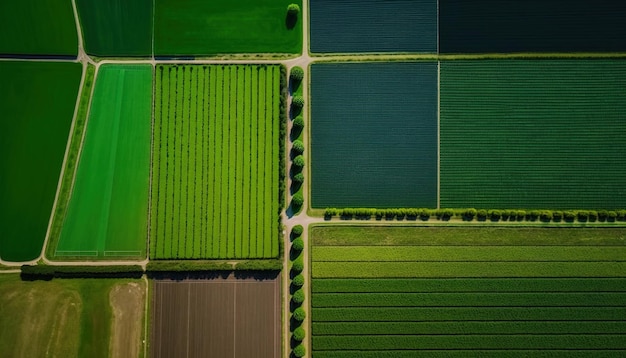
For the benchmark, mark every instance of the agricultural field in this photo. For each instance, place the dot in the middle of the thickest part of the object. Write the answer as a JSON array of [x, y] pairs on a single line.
[[533, 134], [218, 317], [215, 162], [340, 26], [225, 27], [116, 27], [373, 135], [71, 317], [38, 27], [33, 140], [107, 214], [486, 292], [568, 26]]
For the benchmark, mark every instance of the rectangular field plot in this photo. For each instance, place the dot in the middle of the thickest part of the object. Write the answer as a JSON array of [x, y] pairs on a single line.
[[437, 297], [38, 27], [374, 135], [37, 105], [116, 27], [215, 162], [199, 27], [107, 216], [216, 318], [496, 26], [340, 26], [533, 134]]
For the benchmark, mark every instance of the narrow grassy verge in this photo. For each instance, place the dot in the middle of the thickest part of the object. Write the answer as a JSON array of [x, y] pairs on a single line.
[[72, 161]]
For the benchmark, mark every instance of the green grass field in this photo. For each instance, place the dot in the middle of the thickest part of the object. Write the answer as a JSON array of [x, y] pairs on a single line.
[[37, 104], [215, 162], [58, 318], [198, 27], [108, 209], [116, 27], [38, 27], [373, 135], [533, 134], [506, 297]]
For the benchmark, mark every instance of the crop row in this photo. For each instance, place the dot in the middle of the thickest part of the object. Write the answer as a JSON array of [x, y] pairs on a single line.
[[433, 285], [466, 269], [465, 353], [461, 327], [468, 253], [215, 162], [613, 341], [483, 299], [486, 314]]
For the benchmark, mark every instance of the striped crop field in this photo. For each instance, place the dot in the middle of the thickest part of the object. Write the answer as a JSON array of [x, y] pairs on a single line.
[[340, 26], [215, 162], [533, 134], [442, 297], [374, 135]]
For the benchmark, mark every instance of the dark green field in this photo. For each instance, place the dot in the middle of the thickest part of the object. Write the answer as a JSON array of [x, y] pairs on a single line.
[[413, 292], [533, 134], [116, 27], [38, 27], [496, 26], [374, 135], [199, 27], [37, 105], [373, 26]]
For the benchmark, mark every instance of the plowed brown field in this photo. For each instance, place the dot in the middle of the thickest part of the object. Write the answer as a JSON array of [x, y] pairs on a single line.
[[216, 318]]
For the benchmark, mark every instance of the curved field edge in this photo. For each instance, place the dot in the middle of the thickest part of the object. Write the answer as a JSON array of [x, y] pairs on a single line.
[[38, 104], [71, 161], [108, 209], [64, 317]]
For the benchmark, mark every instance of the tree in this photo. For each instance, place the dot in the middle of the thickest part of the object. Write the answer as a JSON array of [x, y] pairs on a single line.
[[298, 178], [297, 244], [299, 351], [298, 162], [292, 16], [299, 314], [298, 280], [298, 123], [297, 200], [298, 265], [298, 297], [297, 230], [297, 74], [298, 146], [297, 102], [293, 9], [298, 334]]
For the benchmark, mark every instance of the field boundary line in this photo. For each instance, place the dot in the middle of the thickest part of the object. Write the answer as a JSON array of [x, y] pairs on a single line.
[[122, 253], [150, 176], [438, 133], [234, 321], [89, 253]]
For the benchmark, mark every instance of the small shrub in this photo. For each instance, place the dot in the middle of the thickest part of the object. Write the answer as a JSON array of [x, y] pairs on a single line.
[[298, 146], [469, 214], [299, 351], [569, 215], [557, 215], [583, 215], [621, 215], [298, 334], [593, 215], [495, 215], [297, 244], [603, 215], [546, 216], [533, 215], [298, 265], [481, 214], [299, 314], [298, 230], [612, 215], [520, 214], [298, 280], [298, 296]]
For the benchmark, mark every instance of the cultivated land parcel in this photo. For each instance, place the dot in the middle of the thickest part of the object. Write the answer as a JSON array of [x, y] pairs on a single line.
[[108, 209], [411, 292], [37, 103], [215, 162]]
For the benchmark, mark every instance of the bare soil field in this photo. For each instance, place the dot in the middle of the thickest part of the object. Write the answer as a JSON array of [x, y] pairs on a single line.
[[128, 304], [221, 317]]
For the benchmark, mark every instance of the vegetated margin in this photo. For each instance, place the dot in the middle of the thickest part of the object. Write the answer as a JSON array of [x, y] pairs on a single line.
[[72, 161], [471, 214]]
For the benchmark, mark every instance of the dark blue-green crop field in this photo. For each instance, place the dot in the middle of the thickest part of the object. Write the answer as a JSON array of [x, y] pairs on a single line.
[[373, 26], [374, 135]]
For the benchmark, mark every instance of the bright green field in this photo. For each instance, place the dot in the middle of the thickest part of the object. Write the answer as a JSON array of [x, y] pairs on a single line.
[[58, 318], [435, 297], [215, 162], [116, 27], [38, 27], [108, 209], [199, 27], [37, 105], [533, 134]]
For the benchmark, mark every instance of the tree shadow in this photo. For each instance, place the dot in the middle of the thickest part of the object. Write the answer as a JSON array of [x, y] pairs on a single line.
[[291, 20]]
